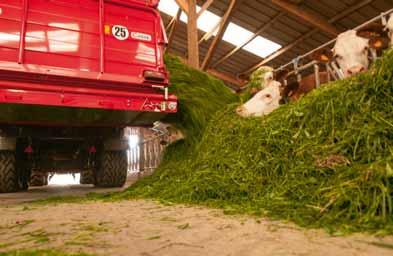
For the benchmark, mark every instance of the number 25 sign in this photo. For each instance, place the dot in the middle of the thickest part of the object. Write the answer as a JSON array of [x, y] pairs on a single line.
[[122, 33]]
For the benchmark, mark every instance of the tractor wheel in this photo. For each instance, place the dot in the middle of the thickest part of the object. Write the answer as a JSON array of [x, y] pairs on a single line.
[[38, 179], [112, 171], [8, 172], [87, 177]]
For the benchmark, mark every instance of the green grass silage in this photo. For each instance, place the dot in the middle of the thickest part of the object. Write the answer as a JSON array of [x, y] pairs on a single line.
[[269, 165], [200, 97]]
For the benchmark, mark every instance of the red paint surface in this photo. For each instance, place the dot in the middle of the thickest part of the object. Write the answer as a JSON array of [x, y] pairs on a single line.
[[65, 58]]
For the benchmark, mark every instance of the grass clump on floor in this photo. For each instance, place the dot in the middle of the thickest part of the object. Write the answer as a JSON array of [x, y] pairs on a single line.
[[325, 161]]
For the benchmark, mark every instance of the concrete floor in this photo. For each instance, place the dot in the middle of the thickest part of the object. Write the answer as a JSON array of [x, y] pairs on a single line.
[[39, 193]]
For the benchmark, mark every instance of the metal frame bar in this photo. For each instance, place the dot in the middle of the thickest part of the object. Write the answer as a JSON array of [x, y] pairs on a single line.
[[22, 40], [382, 15], [102, 37]]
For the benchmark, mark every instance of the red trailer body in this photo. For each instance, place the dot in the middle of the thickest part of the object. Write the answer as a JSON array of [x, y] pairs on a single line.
[[73, 74], [86, 54]]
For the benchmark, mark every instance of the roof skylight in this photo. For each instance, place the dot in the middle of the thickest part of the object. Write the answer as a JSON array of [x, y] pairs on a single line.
[[235, 34]]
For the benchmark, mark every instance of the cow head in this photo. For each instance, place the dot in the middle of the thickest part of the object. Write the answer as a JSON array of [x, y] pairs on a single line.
[[351, 50], [263, 103]]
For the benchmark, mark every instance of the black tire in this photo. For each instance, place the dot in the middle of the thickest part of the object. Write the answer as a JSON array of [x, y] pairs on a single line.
[[87, 177], [8, 172], [112, 171], [38, 179]]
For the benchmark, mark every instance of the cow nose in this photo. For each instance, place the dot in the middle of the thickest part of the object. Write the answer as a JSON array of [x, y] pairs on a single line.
[[356, 70]]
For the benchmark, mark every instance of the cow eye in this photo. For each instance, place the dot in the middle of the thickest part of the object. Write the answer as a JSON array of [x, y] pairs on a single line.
[[268, 96], [366, 48]]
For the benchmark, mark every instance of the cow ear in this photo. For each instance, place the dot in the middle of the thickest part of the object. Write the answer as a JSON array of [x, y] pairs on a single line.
[[281, 74], [324, 55], [374, 30], [379, 43]]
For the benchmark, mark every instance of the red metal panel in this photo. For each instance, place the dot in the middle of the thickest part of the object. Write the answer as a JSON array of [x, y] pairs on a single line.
[[66, 34], [73, 39], [22, 93], [150, 3]]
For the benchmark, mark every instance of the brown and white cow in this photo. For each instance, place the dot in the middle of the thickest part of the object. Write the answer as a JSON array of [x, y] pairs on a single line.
[[264, 102], [351, 51], [294, 90]]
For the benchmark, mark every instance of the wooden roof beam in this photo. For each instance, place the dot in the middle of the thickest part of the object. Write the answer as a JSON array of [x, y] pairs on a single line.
[[173, 20], [279, 52], [172, 28], [227, 78], [217, 74], [307, 16], [223, 26], [303, 37], [256, 34], [183, 4], [204, 7], [210, 33]]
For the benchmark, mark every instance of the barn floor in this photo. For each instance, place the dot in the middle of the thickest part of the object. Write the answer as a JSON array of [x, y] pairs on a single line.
[[147, 228]]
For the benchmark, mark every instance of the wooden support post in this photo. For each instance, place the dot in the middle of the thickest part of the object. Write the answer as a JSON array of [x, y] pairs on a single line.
[[192, 32]]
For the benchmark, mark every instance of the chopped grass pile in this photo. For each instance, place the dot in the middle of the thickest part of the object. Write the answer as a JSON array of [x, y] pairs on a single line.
[[200, 97], [325, 161]]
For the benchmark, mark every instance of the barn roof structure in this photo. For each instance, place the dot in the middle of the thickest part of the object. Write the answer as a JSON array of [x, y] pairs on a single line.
[[297, 25]]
